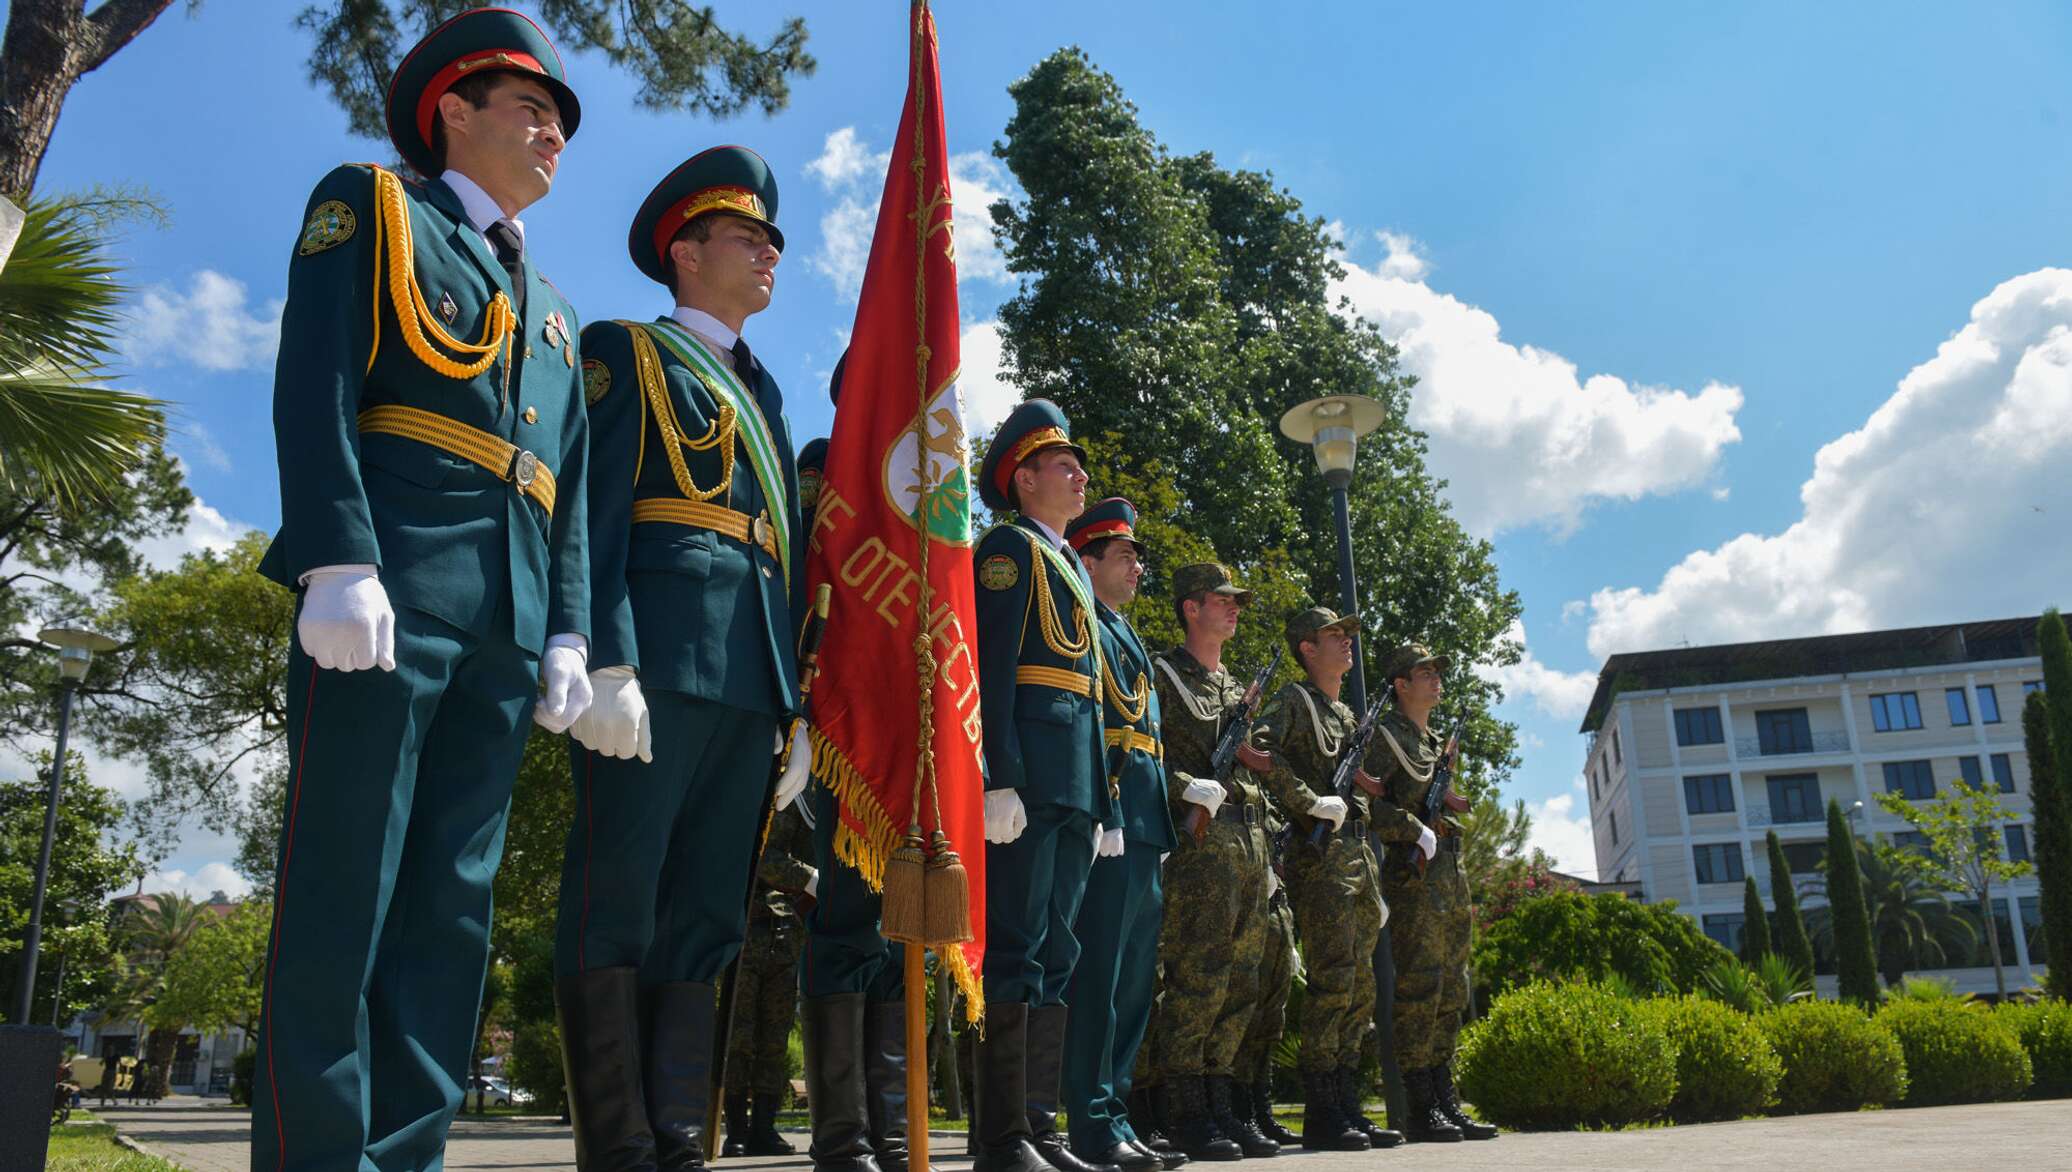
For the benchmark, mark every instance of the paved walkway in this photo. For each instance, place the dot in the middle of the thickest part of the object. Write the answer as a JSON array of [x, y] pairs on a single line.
[[2010, 1136]]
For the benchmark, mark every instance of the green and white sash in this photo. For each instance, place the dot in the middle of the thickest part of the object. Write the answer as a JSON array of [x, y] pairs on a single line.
[[754, 429]]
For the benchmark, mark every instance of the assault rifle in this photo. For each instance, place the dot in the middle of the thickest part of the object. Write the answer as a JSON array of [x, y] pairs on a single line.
[[1440, 796], [1234, 735], [1349, 760]]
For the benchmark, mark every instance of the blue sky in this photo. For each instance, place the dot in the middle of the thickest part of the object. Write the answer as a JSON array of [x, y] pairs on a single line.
[[1652, 263]]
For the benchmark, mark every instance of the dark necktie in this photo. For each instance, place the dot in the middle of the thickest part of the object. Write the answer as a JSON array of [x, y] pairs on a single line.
[[510, 252], [744, 362]]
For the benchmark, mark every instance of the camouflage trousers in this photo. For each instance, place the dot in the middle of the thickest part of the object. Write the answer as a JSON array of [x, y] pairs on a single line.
[[1428, 930], [1209, 949], [1276, 972], [765, 1004], [1336, 895]]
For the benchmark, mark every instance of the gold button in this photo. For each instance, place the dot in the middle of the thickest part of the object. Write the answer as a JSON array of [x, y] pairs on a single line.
[[767, 572], [532, 415], [528, 351]]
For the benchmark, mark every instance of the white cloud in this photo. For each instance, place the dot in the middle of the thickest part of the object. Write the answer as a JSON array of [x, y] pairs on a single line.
[[1949, 503], [201, 883], [844, 160], [202, 444], [854, 174], [1561, 694], [1522, 438], [987, 394], [210, 326], [1564, 834], [206, 528]]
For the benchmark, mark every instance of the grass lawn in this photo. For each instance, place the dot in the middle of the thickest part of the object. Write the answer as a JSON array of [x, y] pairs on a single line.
[[91, 1147]]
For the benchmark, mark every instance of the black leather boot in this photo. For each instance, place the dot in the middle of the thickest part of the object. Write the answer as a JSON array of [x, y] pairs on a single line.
[[1260, 1096], [1148, 1121], [835, 1089], [1190, 1125], [737, 1125], [1349, 1098], [1046, 1073], [1000, 1072], [884, 1077], [1235, 1124], [679, 1071], [763, 1139], [599, 1013], [1449, 1102], [1427, 1124], [1324, 1126]]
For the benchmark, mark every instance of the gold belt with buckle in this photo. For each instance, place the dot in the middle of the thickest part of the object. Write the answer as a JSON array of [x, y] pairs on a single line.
[[491, 452], [1059, 678], [726, 522], [1128, 739]]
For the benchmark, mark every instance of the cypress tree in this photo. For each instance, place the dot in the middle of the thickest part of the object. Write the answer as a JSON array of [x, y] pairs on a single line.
[[1855, 964], [1792, 942], [1755, 928], [2053, 848]]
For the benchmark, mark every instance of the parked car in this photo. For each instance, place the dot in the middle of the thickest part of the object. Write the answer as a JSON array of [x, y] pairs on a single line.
[[495, 1092]]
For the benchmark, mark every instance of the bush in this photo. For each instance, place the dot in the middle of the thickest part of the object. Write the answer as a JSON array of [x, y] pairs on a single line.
[[1957, 1052], [1567, 936], [2045, 1031], [535, 1066], [1725, 1067], [243, 1069], [1925, 989], [1556, 1056], [1835, 1057]]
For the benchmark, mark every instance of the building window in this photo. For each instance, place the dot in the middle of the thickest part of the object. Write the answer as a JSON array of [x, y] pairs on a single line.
[[1913, 780], [2029, 686], [1711, 793], [1615, 748], [2017, 844], [1911, 840], [2003, 772], [1794, 797], [1784, 730], [1699, 726], [1615, 827], [2032, 925], [1895, 711], [1726, 928], [1960, 708], [1974, 773], [1718, 862], [1988, 705], [1806, 857]]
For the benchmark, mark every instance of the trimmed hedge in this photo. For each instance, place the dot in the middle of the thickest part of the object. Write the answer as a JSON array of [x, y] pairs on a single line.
[[1559, 1056], [1835, 1058], [2045, 1032], [1957, 1052], [1725, 1066]]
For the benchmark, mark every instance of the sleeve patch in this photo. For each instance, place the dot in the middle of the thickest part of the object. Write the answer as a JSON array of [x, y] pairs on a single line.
[[330, 225], [998, 572], [597, 380]]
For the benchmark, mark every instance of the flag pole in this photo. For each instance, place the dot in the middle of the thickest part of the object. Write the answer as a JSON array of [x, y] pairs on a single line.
[[917, 1056]]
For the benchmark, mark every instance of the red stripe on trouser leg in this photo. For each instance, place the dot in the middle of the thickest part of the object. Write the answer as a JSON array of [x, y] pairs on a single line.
[[280, 902], [589, 835]]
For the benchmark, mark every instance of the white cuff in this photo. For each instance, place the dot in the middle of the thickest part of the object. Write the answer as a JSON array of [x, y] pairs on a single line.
[[367, 568], [581, 644]]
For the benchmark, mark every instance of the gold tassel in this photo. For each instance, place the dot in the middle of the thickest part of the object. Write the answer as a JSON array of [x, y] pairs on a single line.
[[904, 914], [949, 895]]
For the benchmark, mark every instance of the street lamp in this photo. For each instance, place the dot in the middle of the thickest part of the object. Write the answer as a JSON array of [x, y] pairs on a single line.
[[1332, 427], [76, 647]]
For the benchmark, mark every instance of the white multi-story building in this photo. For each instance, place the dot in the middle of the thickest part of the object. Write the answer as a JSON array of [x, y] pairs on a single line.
[[1696, 753]]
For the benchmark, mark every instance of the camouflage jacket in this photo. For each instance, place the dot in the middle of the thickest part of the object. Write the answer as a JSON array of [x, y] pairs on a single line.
[[1194, 721], [1402, 794], [783, 873], [1302, 767]]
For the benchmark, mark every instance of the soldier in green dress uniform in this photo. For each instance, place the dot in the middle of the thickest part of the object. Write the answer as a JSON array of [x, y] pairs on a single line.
[[697, 565], [766, 995], [1047, 790], [429, 418]]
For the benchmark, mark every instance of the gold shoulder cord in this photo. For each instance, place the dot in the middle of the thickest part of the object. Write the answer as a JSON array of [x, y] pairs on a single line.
[[393, 246], [1072, 647], [647, 361], [1127, 704]]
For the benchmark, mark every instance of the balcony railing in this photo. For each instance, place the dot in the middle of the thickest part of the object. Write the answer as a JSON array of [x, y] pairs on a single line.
[[1820, 742], [1760, 814]]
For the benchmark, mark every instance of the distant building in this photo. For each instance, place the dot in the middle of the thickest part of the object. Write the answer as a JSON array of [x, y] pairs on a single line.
[[1696, 753], [201, 1063]]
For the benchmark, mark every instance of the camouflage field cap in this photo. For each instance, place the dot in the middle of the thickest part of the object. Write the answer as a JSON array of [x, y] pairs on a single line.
[[1408, 658], [1304, 626], [1213, 577]]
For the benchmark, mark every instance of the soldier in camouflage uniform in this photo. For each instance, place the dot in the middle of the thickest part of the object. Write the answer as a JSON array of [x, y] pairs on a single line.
[[1277, 966], [1334, 885], [1430, 936], [766, 995], [1215, 887]]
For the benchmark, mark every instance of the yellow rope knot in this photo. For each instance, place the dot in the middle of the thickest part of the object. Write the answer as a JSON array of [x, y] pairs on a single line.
[[393, 245]]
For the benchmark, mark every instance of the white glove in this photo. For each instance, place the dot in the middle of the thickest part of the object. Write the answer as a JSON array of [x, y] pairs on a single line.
[[617, 724], [1331, 809], [1005, 816], [568, 692], [347, 623], [1111, 844], [1427, 842], [1273, 883], [1206, 794], [792, 782], [812, 883], [1163, 856]]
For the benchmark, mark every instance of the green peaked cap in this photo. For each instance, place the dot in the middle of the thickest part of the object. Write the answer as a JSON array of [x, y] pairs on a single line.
[[478, 39]]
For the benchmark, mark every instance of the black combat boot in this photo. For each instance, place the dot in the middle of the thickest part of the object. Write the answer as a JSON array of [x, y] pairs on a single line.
[[1046, 1075], [1147, 1119], [1260, 1094], [1324, 1126], [1449, 1102], [1236, 1124], [679, 1071], [1189, 1124], [1428, 1123], [1349, 1099], [1000, 1072], [763, 1139], [737, 1125], [834, 1084], [599, 1012], [884, 1075]]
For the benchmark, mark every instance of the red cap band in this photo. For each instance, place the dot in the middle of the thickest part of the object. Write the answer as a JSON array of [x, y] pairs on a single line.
[[428, 102], [1099, 529]]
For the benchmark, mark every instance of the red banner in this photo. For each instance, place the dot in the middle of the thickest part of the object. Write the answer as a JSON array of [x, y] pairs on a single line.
[[895, 709]]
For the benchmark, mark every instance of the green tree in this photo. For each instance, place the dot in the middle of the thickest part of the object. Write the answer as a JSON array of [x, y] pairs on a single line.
[[1964, 853], [216, 979], [1855, 965], [1569, 936], [1755, 923], [2047, 729], [153, 931], [1913, 924], [1493, 840], [87, 867], [1792, 943]]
